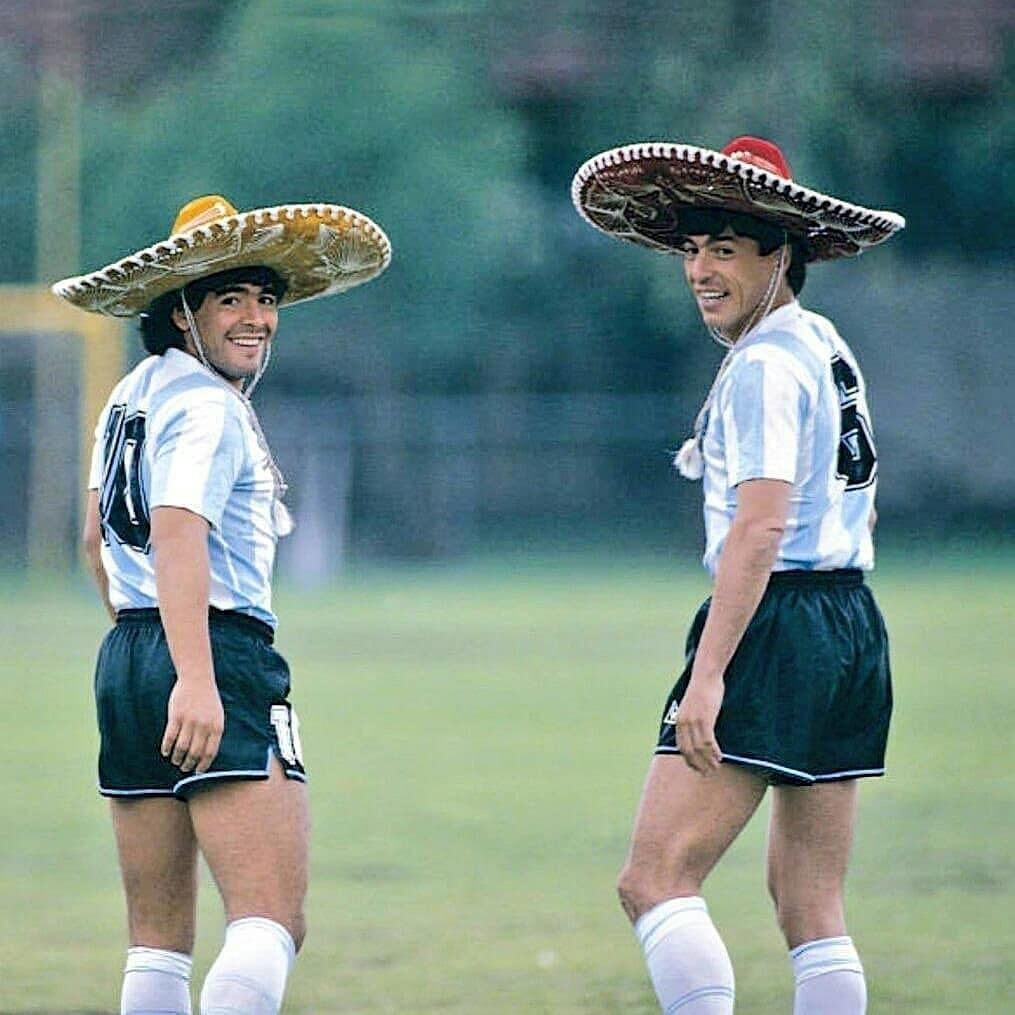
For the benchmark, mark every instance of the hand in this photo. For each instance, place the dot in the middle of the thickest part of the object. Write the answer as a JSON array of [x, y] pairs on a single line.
[[194, 726], [696, 717]]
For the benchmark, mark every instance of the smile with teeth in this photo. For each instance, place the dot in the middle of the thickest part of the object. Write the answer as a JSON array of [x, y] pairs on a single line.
[[246, 341], [711, 296]]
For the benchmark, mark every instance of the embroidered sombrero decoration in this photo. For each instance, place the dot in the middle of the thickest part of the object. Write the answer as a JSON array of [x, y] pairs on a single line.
[[637, 192], [319, 249]]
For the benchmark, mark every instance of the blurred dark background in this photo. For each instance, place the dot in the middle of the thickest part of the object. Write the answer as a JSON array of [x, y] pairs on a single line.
[[515, 381]]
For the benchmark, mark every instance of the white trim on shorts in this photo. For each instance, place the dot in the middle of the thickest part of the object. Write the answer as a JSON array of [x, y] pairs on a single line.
[[236, 773], [825, 777]]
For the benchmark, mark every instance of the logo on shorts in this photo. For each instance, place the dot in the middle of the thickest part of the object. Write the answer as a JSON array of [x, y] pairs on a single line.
[[671, 715]]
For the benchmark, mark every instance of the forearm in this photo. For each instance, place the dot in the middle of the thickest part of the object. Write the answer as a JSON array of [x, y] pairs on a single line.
[[742, 574], [91, 545], [182, 585], [194, 717], [94, 558]]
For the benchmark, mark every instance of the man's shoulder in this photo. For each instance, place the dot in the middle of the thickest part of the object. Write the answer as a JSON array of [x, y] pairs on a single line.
[[179, 383], [134, 379], [802, 342], [194, 402], [812, 322]]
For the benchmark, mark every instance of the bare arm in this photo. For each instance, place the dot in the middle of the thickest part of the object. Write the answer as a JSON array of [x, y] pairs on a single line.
[[742, 574], [195, 721], [91, 544]]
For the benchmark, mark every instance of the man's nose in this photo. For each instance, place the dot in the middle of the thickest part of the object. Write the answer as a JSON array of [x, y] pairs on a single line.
[[255, 312], [698, 267]]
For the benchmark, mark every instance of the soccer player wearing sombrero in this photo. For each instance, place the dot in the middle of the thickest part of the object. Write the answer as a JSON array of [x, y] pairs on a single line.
[[786, 682], [199, 746]]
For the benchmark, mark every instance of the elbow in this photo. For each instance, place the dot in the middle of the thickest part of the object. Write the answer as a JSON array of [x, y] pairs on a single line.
[[758, 538], [91, 547], [765, 531], [91, 544]]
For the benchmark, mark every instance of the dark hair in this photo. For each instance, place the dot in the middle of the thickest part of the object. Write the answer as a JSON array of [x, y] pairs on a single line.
[[712, 221], [158, 330]]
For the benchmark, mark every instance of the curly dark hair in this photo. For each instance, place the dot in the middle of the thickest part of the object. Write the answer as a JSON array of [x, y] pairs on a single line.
[[159, 332], [712, 221]]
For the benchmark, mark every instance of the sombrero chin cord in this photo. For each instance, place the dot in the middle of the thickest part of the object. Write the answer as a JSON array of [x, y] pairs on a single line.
[[689, 460]]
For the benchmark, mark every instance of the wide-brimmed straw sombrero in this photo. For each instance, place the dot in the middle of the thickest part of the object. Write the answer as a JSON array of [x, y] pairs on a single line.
[[319, 249], [637, 193]]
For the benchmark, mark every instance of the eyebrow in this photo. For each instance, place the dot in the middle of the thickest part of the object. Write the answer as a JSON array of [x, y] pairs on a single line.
[[710, 239], [246, 287]]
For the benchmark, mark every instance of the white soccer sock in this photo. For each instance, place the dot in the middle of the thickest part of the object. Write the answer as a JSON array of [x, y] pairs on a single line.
[[688, 963], [248, 977], [155, 982], [829, 978]]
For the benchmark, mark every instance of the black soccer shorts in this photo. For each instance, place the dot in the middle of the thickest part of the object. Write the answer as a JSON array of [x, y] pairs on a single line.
[[134, 676], [808, 694]]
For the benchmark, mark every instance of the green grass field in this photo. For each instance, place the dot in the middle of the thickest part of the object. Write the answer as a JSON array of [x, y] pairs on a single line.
[[477, 739]]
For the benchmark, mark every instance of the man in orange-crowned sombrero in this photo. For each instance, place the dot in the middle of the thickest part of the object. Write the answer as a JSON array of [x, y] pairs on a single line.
[[786, 680], [199, 745]]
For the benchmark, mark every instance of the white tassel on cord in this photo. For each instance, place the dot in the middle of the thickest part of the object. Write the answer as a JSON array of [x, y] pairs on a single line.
[[281, 519], [689, 461]]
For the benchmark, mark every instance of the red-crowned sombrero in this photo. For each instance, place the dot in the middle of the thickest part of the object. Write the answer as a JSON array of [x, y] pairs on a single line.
[[319, 249], [638, 191]]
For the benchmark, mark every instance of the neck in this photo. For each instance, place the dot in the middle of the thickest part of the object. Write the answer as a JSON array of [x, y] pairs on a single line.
[[191, 350], [783, 297]]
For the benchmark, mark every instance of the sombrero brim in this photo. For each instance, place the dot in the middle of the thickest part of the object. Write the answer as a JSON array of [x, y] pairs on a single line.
[[319, 249], [637, 192]]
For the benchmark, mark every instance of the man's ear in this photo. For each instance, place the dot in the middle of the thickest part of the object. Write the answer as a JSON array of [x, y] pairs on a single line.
[[180, 320]]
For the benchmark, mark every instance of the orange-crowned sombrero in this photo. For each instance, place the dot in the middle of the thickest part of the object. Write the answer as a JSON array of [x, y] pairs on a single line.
[[319, 249], [637, 193]]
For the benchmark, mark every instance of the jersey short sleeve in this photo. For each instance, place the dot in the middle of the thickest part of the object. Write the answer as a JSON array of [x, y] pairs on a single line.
[[763, 408], [96, 462], [196, 456]]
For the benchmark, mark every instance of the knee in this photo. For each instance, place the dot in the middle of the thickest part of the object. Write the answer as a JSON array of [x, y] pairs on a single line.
[[807, 915], [652, 875], [774, 885], [639, 890], [627, 893], [298, 930]]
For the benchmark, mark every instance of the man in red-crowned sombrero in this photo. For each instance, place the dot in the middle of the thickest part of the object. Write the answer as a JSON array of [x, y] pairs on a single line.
[[786, 683], [199, 745]]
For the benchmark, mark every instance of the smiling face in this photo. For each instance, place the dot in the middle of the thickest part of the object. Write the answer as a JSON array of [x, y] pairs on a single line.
[[729, 278], [236, 326]]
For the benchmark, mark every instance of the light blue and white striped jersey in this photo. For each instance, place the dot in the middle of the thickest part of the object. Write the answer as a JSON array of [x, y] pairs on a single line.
[[791, 405], [173, 435]]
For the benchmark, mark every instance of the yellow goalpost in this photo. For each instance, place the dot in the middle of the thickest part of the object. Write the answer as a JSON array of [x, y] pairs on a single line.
[[33, 309]]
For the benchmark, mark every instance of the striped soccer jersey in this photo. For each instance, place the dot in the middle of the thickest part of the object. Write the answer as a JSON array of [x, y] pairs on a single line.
[[174, 435], [791, 405]]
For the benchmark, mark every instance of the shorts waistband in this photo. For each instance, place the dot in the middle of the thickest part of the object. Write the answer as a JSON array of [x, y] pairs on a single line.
[[252, 624], [840, 576]]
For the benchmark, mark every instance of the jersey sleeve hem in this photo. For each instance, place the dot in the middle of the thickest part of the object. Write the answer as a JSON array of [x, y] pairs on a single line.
[[194, 508], [782, 477]]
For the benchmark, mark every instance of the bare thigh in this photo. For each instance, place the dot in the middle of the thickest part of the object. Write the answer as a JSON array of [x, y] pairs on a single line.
[[158, 862], [254, 836], [685, 823], [809, 841]]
